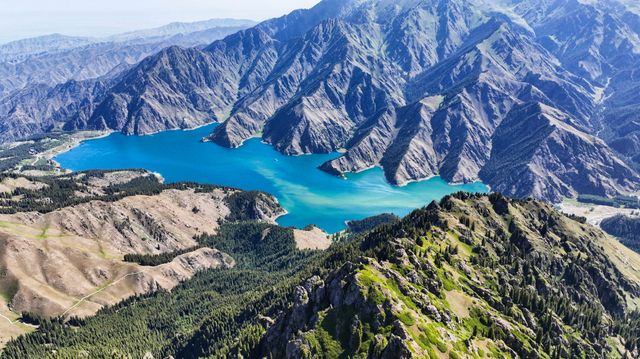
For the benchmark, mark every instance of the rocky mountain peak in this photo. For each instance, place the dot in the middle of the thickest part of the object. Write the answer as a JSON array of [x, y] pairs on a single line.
[[427, 283], [348, 74]]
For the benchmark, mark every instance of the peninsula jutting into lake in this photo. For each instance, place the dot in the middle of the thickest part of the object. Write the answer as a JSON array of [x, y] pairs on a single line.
[[309, 195]]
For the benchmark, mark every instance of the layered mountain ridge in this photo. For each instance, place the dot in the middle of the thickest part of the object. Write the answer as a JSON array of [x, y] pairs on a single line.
[[419, 88], [55, 59]]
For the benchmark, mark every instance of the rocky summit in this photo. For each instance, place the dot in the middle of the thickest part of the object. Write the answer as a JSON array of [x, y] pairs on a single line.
[[469, 277]]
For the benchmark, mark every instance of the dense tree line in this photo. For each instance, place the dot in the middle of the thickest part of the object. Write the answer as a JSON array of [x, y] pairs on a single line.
[[11, 157], [73, 189], [617, 201], [369, 223], [216, 313], [7, 164], [627, 229], [246, 205], [157, 259]]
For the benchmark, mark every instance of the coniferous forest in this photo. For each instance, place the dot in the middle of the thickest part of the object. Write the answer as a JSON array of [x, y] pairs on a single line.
[[536, 284]]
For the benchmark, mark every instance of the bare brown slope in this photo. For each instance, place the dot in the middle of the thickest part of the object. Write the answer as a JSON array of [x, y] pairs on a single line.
[[69, 262], [137, 224]]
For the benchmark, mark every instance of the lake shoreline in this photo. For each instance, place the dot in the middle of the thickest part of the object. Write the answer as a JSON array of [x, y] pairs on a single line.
[[308, 194]]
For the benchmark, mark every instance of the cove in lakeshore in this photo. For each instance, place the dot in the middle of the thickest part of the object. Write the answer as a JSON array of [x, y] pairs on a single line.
[[310, 195]]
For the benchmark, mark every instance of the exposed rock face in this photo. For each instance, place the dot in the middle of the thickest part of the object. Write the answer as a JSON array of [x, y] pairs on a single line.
[[426, 278], [599, 42], [534, 138], [189, 89], [419, 88], [40, 108]]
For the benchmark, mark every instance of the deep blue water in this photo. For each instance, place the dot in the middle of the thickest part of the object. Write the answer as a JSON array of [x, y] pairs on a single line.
[[309, 195]]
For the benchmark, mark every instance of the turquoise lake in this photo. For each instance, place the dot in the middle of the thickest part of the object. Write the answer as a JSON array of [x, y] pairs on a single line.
[[309, 195]]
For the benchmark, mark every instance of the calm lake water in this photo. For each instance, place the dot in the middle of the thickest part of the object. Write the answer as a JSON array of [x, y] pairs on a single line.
[[309, 195]]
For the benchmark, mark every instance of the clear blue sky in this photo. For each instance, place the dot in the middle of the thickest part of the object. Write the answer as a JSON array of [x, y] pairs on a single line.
[[27, 18]]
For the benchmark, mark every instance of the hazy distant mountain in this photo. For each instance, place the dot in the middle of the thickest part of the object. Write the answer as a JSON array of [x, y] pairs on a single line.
[[55, 59], [514, 93], [178, 28], [16, 50], [19, 49]]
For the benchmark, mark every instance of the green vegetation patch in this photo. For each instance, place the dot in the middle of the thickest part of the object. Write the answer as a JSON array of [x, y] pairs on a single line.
[[406, 318], [618, 201], [153, 260]]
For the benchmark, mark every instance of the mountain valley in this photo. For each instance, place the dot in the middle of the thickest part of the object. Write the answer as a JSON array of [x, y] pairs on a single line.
[[419, 88], [453, 179]]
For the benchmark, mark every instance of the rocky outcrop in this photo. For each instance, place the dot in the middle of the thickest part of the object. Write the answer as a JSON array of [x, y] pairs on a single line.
[[343, 294], [426, 278]]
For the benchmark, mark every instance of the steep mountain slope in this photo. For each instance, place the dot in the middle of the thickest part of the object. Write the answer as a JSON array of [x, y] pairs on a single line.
[[620, 126], [535, 137], [470, 276], [601, 42], [419, 88], [41, 109], [186, 100]]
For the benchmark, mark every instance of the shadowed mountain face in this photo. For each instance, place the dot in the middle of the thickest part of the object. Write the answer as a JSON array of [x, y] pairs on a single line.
[[533, 97]]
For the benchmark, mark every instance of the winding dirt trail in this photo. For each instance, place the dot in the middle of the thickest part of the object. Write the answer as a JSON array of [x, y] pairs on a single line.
[[83, 299]]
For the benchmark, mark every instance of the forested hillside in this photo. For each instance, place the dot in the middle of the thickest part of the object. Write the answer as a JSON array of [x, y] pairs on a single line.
[[468, 277], [72, 244]]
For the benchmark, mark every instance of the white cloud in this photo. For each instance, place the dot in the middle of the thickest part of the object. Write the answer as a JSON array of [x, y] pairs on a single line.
[[26, 18]]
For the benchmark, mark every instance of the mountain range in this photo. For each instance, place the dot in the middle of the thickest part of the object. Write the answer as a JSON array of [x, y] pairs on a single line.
[[534, 98], [55, 59]]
